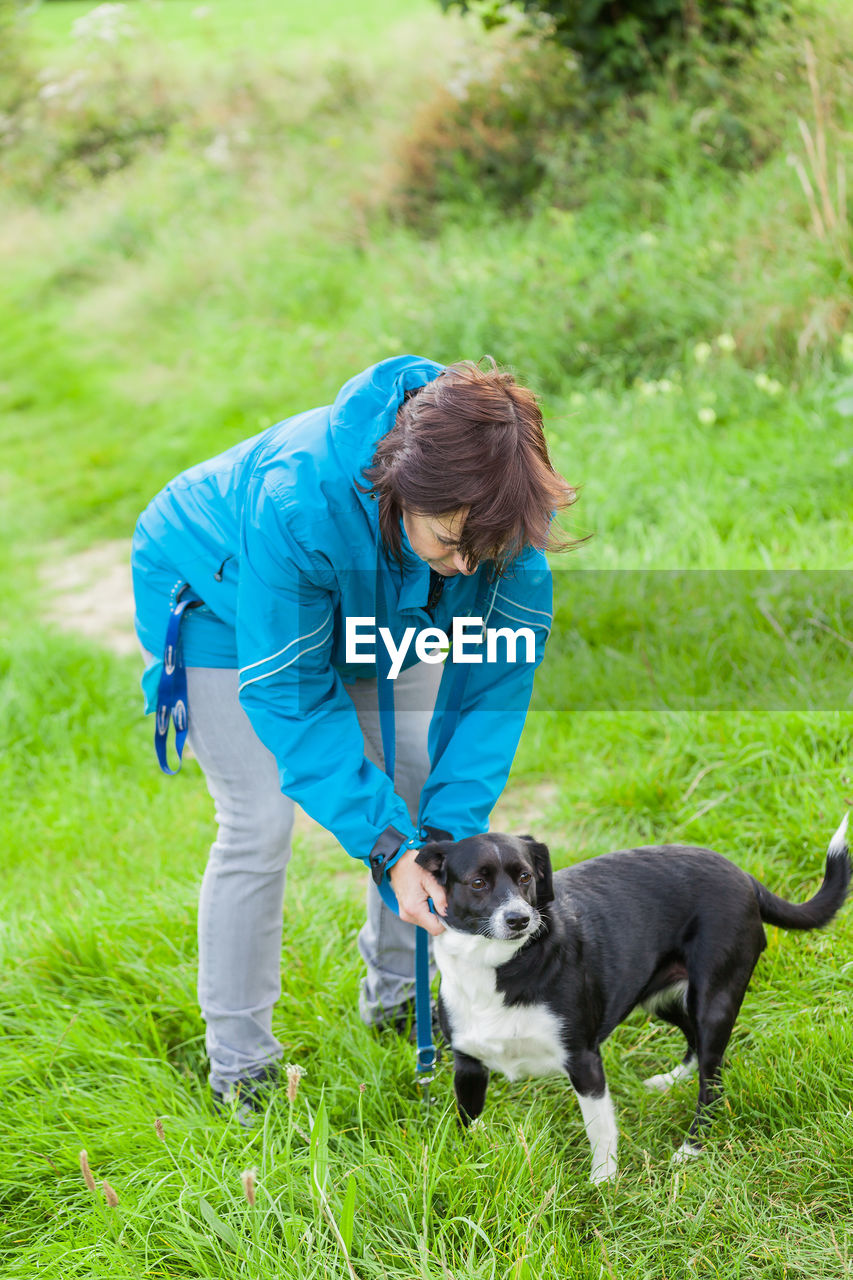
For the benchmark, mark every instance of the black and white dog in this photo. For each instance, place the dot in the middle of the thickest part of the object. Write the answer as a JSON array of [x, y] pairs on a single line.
[[537, 969]]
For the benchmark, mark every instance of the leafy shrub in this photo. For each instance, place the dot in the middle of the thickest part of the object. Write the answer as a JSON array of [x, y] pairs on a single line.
[[83, 125], [483, 138], [91, 114], [121, 96], [625, 44], [516, 125]]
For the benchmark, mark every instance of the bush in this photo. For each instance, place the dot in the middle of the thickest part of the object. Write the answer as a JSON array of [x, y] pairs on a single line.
[[119, 96], [484, 138], [515, 124], [83, 125], [625, 44]]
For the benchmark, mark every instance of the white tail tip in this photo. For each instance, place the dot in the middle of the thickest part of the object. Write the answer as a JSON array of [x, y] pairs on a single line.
[[838, 843]]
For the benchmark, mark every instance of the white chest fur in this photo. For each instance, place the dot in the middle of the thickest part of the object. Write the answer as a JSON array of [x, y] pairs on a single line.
[[517, 1040]]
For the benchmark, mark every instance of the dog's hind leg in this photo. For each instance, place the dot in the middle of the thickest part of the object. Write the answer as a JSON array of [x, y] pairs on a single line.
[[586, 1073], [675, 1012], [470, 1082], [664, 1081], [714, 1011]]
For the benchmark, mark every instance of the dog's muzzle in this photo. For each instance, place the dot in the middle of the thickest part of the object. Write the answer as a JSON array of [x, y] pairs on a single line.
[[514, 920]]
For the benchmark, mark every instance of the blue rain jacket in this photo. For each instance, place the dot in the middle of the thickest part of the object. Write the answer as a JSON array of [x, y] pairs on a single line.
[[280, 544]]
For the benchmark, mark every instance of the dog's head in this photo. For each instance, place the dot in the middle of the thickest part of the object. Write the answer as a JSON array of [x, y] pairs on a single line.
[[497, 886]]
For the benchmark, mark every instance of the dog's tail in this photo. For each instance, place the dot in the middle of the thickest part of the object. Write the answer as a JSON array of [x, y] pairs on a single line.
[[820, 909]]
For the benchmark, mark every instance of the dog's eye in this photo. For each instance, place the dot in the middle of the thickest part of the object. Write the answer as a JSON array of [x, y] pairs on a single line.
[[478, 883], [525, 877]]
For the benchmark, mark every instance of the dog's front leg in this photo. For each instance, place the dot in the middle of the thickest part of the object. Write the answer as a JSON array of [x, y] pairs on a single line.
[[586, 1072], [470, 1082]]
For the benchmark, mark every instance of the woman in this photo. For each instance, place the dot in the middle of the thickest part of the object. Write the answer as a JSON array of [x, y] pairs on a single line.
[[423, 494]]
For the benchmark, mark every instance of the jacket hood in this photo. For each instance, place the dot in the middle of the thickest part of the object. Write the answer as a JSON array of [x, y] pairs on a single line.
[[366, 406]]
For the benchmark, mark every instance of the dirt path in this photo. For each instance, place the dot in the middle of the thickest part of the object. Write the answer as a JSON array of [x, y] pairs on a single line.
[[90, 594]]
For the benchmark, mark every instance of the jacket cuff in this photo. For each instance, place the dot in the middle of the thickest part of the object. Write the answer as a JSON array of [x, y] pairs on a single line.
[[390, 846], [434, 833]]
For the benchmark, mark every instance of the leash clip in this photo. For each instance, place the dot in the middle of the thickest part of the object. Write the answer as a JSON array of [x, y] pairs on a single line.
[[425, 1059], [422, 1083]]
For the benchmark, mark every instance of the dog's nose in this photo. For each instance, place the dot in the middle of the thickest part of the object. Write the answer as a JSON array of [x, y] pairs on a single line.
[[517, 920]]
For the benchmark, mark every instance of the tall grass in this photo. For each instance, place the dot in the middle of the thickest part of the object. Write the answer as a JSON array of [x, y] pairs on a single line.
[[685, 326], [826, 188]]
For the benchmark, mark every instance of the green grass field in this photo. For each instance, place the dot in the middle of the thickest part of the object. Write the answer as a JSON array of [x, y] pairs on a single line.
[[228, 256]]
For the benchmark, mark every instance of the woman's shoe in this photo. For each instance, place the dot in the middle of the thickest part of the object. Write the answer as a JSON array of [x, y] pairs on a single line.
[[249, 1097]]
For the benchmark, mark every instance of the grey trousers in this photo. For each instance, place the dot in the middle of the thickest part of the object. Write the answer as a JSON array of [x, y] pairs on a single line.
[[242, 893]]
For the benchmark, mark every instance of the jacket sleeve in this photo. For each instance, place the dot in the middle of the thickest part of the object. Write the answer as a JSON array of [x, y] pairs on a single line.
[[469, 775], [293, 696]]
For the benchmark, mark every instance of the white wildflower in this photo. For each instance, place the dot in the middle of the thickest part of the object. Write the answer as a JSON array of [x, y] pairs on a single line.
[[725, 342], [701, 352], [457, 86], [107, 22], [60, 88], [707, 416], [662, 387], [647, 239], [218, 152], [770, 386]]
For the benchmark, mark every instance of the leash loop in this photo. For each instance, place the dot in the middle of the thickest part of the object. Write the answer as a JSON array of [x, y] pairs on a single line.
[[172, 703]]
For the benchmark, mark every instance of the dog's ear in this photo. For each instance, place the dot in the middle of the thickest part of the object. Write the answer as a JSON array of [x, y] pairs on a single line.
[[433, 858], [542, 866]]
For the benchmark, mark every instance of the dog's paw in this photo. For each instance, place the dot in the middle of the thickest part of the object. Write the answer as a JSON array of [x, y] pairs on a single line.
[[687, 1151], [661, 1083]]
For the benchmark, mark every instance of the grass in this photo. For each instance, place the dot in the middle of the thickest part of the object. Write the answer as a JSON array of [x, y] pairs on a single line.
[[697, 688], [200, 30]]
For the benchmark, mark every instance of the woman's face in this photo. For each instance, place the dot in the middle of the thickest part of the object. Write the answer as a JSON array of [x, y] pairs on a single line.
[[436, 540]]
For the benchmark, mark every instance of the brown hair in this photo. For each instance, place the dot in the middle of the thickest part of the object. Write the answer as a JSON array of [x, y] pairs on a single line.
[[472, 439]]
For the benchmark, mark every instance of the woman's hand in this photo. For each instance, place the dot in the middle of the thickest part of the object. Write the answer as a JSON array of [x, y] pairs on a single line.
[[413, 885]]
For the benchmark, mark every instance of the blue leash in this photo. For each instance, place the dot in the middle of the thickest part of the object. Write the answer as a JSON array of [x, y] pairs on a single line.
[[425, 1051]]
